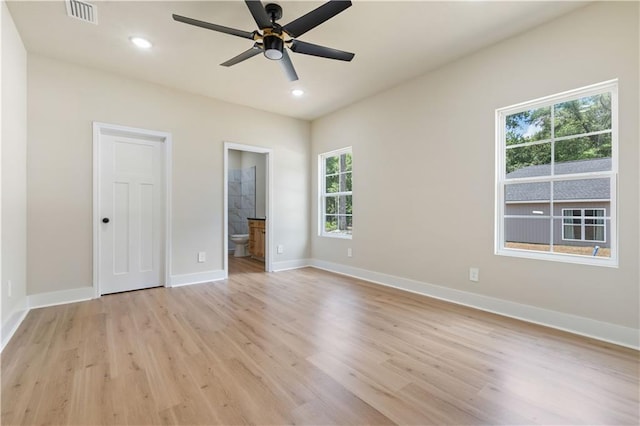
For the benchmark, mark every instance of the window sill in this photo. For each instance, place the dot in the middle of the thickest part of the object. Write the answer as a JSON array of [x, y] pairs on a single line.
[[559, 257], [339, 236]]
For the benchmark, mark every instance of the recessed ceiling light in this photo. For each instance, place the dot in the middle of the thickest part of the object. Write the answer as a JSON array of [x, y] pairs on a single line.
[[297, 92], [142, 43]]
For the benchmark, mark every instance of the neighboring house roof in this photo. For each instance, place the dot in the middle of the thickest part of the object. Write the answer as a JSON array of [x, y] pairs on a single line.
[[582, 189]]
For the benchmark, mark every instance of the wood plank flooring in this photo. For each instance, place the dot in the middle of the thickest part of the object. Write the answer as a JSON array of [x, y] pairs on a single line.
[[304, 347]]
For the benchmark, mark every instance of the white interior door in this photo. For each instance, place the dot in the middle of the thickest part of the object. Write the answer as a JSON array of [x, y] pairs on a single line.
[[131, 207]]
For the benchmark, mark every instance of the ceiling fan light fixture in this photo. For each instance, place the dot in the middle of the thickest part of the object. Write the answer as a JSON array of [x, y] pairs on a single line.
[[297, 92], [273, 47], [273, 54]]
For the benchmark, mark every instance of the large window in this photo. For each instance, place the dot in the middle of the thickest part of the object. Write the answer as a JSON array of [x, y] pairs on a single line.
[[336, 202], [556, 177]]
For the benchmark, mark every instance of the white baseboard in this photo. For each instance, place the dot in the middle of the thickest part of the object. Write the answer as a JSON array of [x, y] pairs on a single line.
[[11, 325], [286, 265], [612, 333], [196, 278], [41, 300]]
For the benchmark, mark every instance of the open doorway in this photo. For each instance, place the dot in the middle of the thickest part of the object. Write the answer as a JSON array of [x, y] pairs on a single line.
[[247, 209]]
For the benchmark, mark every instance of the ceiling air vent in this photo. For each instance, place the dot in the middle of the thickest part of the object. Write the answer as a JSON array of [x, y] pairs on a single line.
[[82, 10]]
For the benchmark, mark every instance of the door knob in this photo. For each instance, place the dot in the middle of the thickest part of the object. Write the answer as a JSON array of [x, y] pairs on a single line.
[[105, 220]]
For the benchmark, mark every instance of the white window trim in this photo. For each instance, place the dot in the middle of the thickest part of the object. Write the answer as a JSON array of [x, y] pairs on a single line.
[[583, 225], [501, 113], [322, 194]]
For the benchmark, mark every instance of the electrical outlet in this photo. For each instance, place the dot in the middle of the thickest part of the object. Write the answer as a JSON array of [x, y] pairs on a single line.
[[280, 249], [9, 288], [474, 274], [349, 252], [202, 256]]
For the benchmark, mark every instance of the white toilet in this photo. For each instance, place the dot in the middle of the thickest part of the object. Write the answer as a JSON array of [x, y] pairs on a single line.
[[240, 241]]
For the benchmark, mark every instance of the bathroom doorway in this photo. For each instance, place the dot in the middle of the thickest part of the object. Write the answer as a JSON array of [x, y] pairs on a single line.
[[248, 217]]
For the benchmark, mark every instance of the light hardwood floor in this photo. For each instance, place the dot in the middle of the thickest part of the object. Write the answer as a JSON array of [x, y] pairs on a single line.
[[304, 347]]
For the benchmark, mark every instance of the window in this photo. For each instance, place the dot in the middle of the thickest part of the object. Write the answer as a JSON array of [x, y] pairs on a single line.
[[583, 225], [336, 202], [556, 176]]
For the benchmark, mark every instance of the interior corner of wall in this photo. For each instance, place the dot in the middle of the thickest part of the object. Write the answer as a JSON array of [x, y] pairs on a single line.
[[12, 322]]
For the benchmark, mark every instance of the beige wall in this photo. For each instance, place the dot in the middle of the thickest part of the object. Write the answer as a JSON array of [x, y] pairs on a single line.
[[424, 168], [14, 166], [64, 99]]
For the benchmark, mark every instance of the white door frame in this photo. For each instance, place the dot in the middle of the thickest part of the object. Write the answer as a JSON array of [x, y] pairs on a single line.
[[268, 203], [100, 129]]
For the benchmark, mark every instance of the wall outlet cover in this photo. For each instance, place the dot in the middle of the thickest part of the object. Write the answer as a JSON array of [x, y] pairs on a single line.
[[474, 274]]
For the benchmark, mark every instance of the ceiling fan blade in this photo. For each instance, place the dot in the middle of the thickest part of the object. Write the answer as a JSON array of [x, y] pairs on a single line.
[[259, 14], [287, 66], [324, 52], [250, 53], [214, 27], [316, 17]]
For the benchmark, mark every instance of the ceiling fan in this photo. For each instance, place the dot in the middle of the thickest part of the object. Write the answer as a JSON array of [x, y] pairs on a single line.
[[272, 37]]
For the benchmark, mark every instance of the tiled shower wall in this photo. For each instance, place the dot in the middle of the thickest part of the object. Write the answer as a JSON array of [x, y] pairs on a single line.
[[242, 199]]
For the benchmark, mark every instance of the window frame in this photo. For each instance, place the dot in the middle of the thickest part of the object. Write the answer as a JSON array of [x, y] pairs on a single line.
[[322, 194], [500, 248]]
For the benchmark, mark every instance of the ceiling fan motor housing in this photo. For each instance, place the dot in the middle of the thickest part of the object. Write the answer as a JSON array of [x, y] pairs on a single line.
[[273, 46]]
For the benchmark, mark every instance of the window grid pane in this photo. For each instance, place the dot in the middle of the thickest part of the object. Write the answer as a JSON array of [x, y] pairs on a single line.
[[594, 233], [584, 115], [528, 126], [572, 232]]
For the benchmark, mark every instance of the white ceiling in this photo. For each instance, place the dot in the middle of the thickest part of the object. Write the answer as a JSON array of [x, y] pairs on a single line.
[[393, 42]]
